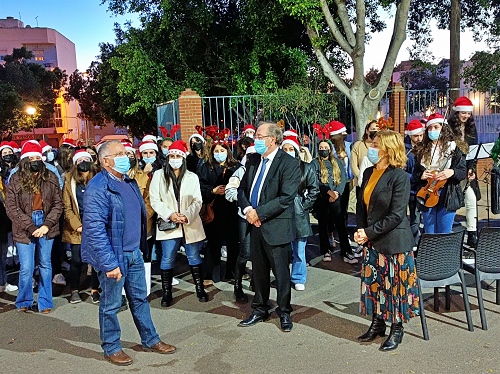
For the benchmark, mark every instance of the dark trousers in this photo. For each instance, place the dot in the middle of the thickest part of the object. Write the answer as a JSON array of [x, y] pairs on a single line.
[[244, 239], [217, 232], [344, 199], [327, 212], [267, 257], [75, 269], [414, 218]]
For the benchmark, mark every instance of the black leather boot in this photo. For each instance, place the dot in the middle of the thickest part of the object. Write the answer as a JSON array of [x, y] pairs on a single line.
[[238, 289], [166, 285], [377, 328], [472, 239], [197, 272], [394, 338]]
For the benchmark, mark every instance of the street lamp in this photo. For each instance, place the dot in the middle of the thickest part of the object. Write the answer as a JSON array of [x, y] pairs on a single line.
[[31, 112]]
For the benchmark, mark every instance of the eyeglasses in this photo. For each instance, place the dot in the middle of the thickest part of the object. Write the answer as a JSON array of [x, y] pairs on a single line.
[[261, 137], [119, 154]]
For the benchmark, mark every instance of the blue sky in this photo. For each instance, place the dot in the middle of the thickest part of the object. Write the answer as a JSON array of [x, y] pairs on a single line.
[[85, 23], [88, 25]]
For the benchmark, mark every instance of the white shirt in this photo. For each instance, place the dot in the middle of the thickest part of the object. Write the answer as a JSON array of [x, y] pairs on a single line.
[[270, 158], [437, 161]]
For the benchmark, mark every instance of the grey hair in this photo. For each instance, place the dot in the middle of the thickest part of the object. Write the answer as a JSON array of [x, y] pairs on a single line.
[[274, 130], [103, 150]]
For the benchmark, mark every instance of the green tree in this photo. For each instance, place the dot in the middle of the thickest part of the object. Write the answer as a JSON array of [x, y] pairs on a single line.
[[340, 28], [27, 84], [484, 73]]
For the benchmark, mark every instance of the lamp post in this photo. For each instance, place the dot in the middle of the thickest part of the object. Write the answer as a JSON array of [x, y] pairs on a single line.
[[31, 112]]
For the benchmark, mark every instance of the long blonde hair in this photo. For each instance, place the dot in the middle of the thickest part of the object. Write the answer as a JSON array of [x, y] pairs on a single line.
[[336, 175]]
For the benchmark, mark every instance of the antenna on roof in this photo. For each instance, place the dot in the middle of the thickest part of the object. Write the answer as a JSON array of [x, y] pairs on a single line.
[[36, 19], [20, 16]]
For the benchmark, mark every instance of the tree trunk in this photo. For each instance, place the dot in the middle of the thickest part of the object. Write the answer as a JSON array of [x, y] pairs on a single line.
[[455, 50], [365, 110]]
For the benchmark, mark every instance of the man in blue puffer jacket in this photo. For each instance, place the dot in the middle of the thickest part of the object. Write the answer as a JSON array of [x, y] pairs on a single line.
[[114, 233]]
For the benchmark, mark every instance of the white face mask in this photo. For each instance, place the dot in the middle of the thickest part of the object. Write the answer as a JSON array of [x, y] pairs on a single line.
[[291, 153], [175, 163]]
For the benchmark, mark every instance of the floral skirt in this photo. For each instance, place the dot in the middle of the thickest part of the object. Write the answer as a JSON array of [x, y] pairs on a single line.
[[389, 285]]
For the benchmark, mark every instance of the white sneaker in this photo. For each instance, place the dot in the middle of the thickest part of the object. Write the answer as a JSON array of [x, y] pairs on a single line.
[[65, 266], [59, 279], [175, 281], [182, 249], [358, 251], [10, 288], [223, 251], [350, 259], [300, 287]]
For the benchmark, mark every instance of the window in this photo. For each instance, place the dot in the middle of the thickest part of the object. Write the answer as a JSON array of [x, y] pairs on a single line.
[[39, 58]]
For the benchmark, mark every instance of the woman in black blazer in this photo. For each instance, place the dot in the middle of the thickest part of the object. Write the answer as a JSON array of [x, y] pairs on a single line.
[[388, 275]]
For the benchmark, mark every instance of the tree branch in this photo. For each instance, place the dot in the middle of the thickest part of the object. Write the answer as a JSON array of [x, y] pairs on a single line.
[[325, 64], [359, 50], [397, 39], [346, 23], [334, 29]]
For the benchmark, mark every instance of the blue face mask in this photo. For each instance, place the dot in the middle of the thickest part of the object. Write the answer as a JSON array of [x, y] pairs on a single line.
[[122, 164], [260, 146], [164, 151], [149, 160], [291, 153], [220, 157], [434, 135], [373, 155], [50, 156]]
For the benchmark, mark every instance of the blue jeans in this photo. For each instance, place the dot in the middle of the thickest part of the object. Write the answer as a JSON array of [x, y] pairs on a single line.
[[169, 250], [299, 265], [438, 220], [134, 280], [42, 248]]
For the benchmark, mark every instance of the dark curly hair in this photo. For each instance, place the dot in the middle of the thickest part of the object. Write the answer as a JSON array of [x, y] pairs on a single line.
[[31, 182], [470, 131], [446, 136]]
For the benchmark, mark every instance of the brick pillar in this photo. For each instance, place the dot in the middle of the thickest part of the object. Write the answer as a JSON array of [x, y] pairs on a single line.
[[397, 103], [190, 113]]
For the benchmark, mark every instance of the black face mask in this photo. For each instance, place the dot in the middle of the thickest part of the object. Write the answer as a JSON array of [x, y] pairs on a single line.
[[10, 158], [83, 166], [197, 146], [36, 166], [372, 134], [133, 161], [94, 159], [324, 153]]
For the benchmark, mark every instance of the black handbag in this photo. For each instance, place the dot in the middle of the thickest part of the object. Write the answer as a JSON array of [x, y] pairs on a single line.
[[454, 197], [166, 225]]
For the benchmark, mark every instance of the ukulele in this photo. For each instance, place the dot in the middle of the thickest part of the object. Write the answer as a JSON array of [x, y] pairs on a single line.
[[429, 195]]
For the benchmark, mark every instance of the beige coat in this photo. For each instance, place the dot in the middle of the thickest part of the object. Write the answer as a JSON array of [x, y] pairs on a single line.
[[71, 213], [164, 204]]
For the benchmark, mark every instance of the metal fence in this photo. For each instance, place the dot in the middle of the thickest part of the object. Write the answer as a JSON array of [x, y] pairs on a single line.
[[234, 112], [167, 115]]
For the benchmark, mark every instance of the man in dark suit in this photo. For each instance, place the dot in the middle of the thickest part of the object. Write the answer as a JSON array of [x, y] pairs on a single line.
[[265, 196]]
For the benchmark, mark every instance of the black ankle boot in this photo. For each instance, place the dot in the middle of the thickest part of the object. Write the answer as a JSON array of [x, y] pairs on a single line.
[[394, 338], [238, 289], [166, 285], [377, 328], [196, 271], [472, 239]]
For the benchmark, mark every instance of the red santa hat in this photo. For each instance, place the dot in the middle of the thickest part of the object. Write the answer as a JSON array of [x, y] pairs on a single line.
[[31, 149], [70, 142], [81, 154], [415, 127], [45, 146], [290, 132], [292, 141], [336, 127], [434, 118], [179, 147], [146, 145], [128, 146], [6, 144], [15, 146], [149, 138], [248, 127], [198, 136], [463, 104], [99, 144]]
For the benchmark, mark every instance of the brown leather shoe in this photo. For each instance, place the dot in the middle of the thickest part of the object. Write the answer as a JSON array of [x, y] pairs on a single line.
[[119, 358], [46, 311], [161, 347]]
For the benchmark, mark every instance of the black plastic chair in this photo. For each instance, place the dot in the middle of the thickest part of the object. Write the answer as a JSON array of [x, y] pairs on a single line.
[[486, 265], [439, 264]]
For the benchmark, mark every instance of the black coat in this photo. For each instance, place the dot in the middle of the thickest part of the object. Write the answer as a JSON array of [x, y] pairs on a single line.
[[304, 201], [460, 173], [385, 222], [275, 209]]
